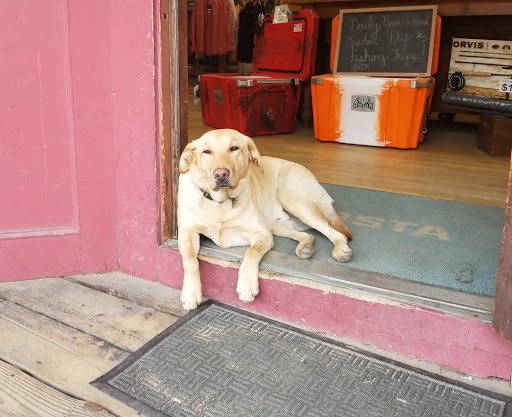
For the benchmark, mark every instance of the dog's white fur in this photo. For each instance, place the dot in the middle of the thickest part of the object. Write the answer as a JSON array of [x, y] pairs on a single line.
[[252, 198]]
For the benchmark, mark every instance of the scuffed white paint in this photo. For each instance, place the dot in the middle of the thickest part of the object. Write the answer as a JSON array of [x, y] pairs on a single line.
[[360, 127]]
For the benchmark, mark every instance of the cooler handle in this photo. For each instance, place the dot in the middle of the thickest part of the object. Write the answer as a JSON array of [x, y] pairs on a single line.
[[266, 119], [250, 83], [420, 84]]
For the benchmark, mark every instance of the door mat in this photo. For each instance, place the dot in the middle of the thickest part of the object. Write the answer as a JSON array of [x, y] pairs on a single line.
[[444, 243], [218, 361]]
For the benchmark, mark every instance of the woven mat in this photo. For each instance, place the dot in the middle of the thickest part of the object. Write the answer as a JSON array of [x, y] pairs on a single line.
[[218, 361]]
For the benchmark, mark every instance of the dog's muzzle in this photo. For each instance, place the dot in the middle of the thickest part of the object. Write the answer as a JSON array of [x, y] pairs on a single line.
[[222, 178]]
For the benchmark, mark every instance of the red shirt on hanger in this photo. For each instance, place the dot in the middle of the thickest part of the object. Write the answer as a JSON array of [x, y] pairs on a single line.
[[211, 27]]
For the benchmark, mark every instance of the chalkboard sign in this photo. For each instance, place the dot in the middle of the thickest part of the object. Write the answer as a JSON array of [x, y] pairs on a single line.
[[386, 41]]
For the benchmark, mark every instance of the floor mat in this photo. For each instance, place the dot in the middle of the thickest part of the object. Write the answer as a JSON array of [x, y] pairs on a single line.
[[445, 243], [218, 361]]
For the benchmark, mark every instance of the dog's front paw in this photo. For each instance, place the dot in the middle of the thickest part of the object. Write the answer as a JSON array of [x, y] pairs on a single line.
[[342, 253], [305, 249], [247, 289], [191, 297]]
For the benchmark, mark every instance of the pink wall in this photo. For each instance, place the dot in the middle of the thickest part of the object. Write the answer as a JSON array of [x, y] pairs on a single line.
[[132, 46], [463, 344], [90, 53]]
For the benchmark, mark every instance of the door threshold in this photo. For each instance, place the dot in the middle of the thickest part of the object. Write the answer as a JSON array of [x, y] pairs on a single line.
[[366, 283]]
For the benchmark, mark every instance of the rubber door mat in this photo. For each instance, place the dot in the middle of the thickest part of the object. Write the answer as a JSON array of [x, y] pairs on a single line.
[[416, 238], [219, 361]]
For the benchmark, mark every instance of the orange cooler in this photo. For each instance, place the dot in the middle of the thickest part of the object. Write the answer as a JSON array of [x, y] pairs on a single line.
[[390, 112]]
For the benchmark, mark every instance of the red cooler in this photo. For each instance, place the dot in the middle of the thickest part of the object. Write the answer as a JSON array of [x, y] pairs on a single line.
[[267, 100]]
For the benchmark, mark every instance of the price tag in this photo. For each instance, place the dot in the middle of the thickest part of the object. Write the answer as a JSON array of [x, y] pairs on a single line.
[[506, 86], [282, 14]]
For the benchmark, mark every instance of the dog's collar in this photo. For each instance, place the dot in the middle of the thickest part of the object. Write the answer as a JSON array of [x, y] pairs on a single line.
[[207, 195]]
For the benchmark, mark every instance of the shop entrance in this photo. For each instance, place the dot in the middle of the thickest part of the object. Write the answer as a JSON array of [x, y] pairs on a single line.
[[448, 167]]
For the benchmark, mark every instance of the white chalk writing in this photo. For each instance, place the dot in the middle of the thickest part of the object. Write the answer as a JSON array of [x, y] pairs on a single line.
[[382, 40]]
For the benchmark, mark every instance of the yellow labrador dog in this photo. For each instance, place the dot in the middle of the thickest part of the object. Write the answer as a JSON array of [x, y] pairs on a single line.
[[231, 194]]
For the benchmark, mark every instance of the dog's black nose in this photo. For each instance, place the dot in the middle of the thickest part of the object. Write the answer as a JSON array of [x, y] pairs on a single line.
[[220, 174]]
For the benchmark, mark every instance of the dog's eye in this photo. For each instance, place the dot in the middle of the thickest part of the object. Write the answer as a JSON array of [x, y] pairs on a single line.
[[234, 148], [207, 151]]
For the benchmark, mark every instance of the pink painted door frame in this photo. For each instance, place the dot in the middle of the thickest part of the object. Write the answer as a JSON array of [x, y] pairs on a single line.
[[462, 343], [57, 172]]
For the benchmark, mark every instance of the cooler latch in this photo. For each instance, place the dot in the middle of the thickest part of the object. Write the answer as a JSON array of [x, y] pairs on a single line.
[[293, 81], [244, 83], [420, 84]]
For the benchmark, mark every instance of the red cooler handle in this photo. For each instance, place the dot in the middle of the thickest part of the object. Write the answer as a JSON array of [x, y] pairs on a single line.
[[266, 119]]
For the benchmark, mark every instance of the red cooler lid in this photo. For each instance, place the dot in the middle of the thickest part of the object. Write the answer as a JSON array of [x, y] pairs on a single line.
[[287, 49]]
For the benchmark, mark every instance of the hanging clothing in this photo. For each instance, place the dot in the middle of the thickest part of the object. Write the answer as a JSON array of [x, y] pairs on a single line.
[[269, 7], [247, 20], [233, 20], [233, 54], [211, 27]]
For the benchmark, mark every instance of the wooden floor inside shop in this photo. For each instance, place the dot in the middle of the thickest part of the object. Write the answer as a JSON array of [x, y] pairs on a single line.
[[448, 164]]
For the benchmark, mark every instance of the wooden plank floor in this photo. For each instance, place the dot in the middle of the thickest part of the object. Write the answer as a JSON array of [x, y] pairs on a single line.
[[59, 334], [447, 165]]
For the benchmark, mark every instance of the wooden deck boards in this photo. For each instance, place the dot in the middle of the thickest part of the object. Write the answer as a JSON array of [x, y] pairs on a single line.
[[59, 334], [22, 395]]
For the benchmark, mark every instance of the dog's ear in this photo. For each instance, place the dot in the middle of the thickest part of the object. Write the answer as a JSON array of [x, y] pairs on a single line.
[[254, 154], [188, 156]]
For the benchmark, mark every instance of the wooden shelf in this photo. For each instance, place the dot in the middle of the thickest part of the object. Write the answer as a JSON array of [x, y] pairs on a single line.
[[328, 9]]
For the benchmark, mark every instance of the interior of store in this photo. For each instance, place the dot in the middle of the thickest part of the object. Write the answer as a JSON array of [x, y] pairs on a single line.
[[451, 162]]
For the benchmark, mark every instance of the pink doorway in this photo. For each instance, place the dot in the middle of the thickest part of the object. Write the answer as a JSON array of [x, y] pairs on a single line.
[[80, 176], [57, 167]]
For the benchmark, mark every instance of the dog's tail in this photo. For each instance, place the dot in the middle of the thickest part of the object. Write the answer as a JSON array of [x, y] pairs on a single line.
[[335, 221]]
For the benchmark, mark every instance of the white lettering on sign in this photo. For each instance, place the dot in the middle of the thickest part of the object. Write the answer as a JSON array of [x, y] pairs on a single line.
[[440, 232], [400, 226], [405, 38], [496, 46], [368, 221], [397, 226], [399, 39], [468, 44], [363, 56]]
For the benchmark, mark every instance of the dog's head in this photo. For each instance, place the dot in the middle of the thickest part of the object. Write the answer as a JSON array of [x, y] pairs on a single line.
[[219, 159]]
